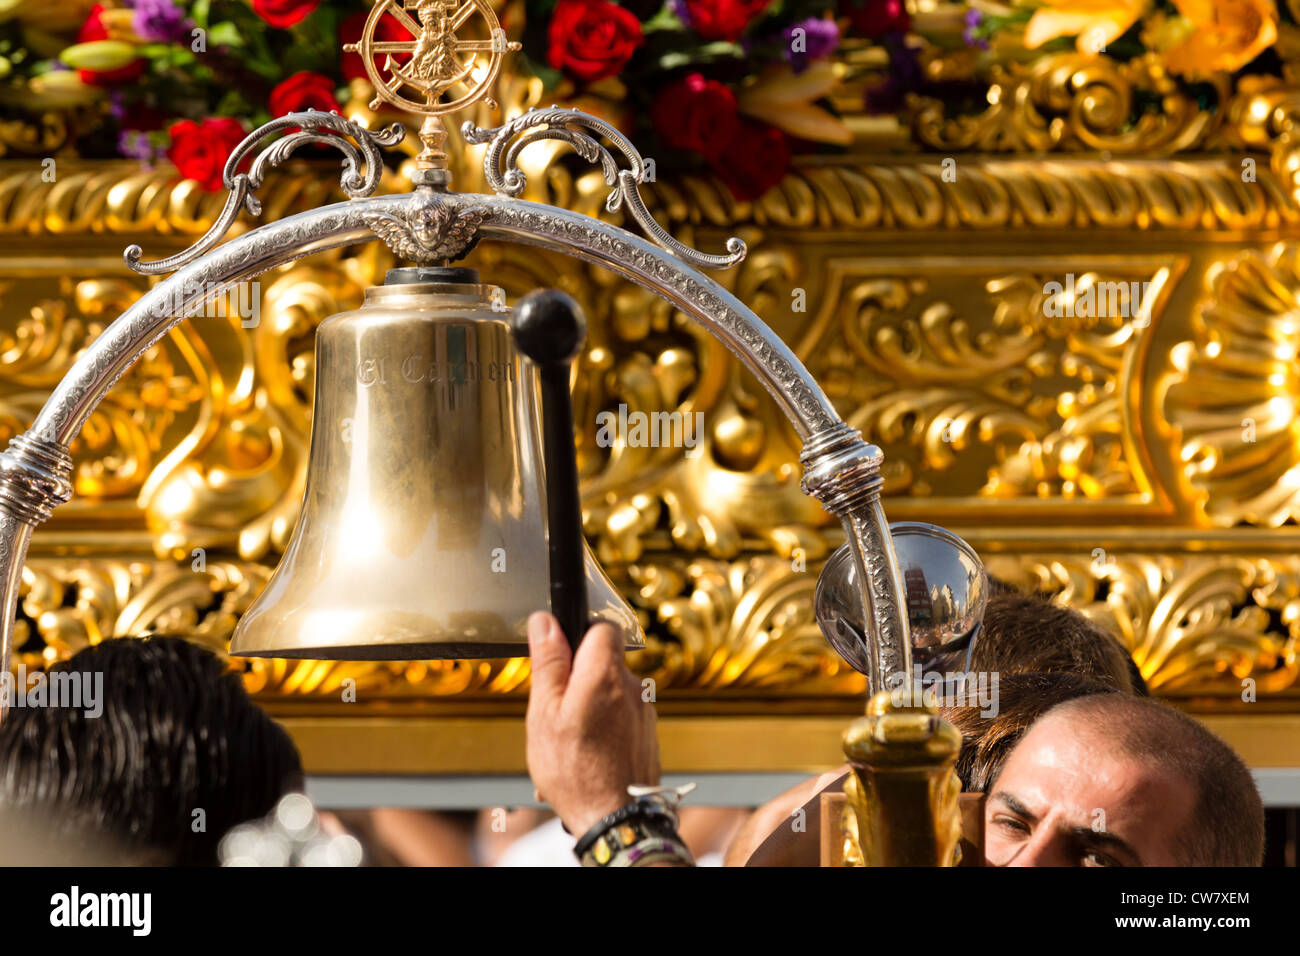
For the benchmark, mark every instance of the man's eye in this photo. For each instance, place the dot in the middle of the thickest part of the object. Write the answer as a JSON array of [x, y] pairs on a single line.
[[1011, 823], [1093, 858]]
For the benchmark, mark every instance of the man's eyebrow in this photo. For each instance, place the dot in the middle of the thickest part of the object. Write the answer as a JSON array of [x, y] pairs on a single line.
[[1103, 840], [1014, 805]]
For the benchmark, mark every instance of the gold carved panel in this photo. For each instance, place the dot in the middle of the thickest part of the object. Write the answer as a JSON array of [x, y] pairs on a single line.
[[1138, 460]]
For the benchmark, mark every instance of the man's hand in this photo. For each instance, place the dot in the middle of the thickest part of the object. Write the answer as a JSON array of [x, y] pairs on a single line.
[[589, 734]]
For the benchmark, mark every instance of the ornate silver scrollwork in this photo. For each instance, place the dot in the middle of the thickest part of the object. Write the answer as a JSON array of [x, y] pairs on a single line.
[[311, 128], [507, 179]]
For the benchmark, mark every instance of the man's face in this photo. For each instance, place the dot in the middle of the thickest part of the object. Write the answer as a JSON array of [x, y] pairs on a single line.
[[1067, 797]]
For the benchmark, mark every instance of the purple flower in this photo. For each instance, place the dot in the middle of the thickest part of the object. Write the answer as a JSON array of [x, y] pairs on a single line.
[[974, 19], [817, 38], [678, 7], [158, 20], [905, 76], [883, 98], [135, 144], [904, 67]]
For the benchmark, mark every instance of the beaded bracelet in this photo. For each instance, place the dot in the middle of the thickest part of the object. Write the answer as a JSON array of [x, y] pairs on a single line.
[[624, 816], [638, 840], [639, 833], [654, 850]]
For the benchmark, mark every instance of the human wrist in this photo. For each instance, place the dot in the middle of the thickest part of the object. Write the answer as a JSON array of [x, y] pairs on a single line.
[[581, 818], [642, 832]]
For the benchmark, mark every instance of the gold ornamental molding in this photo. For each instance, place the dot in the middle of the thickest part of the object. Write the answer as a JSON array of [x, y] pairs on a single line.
[[980, 193], [790, 741], [1233, 393], [1071, 102], [720, 632], [1200, 195], [1193, 623], [1103, 457]]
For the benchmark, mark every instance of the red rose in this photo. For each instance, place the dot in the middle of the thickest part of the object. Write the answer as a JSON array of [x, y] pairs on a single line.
[[387, 29], [93, 29], [875, 18], [722, 19], [284, 13], [303, 91], [754, 161], [592, 39], [200, 150], [696, 114]]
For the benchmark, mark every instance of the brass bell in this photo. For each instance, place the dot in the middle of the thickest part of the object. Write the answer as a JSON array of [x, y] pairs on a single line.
[[423, 529]]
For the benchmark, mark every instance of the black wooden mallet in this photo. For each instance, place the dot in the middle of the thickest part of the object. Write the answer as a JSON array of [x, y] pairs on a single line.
[[549, 328]]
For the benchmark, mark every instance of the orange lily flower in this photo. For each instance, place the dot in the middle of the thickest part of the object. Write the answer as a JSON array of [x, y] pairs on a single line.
[[1226, 35]]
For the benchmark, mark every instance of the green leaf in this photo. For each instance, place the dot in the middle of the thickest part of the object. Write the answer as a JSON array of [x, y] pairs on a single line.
[[721, 48], [233, 104], [549, 76], [225, 34], [297, 58], [199, 13], [665, 19], [710, 51]]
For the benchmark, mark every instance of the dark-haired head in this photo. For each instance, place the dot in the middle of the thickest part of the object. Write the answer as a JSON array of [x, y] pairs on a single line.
[[1118, 780], [1027, 633], [987, 740], [177, 755]]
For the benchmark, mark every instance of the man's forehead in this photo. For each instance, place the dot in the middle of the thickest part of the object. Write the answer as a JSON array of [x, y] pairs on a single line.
[[1075, 767]]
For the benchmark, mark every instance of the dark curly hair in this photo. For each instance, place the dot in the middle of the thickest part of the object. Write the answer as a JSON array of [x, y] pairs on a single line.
[[176, 735]]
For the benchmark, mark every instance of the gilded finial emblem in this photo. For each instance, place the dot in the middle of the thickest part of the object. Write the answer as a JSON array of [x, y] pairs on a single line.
[[443, 73]]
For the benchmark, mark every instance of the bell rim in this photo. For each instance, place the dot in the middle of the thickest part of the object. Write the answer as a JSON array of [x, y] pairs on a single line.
[[414, 651]]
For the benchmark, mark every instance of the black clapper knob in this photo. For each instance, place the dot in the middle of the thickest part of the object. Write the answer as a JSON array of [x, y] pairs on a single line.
[[549, 328]]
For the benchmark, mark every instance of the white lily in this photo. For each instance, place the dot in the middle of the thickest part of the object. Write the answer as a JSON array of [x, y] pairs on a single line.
[[784, 99]]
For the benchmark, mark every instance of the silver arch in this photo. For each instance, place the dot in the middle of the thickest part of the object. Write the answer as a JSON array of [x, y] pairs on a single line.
[[840, 469]]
